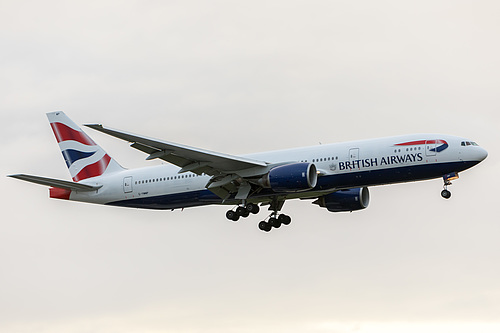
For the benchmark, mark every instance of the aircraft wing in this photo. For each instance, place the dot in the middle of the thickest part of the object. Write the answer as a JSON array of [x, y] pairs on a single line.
[[187, 158], [56, 183]]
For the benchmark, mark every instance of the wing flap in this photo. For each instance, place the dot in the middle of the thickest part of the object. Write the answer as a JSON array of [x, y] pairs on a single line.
[[146, 149], [64, 184]]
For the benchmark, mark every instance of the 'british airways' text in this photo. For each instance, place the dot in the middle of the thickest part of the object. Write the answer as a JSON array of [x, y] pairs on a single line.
[[386, 160]]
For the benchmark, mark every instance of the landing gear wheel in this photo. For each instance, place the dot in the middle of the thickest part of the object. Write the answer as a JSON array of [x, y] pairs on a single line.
[[274, 222], [252, 208], [232, 215], [284, 219], [446, 194], [241, 211], [264, 226]]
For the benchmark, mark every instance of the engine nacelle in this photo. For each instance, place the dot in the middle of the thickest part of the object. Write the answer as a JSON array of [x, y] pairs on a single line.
[[345, 200], [293, 177]]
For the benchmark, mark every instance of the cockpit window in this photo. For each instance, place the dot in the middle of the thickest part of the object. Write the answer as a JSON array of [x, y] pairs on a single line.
[[468, 143]]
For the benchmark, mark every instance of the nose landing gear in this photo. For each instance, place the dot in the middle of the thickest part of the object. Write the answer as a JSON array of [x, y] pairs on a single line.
[[445, 193], [447, 181]]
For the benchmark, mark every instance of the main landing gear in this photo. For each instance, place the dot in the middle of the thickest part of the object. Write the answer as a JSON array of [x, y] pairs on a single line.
[[275, 221], [242, 211]]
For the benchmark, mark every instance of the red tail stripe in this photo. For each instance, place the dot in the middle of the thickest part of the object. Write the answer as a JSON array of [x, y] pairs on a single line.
[[64, 133], [93, 170]]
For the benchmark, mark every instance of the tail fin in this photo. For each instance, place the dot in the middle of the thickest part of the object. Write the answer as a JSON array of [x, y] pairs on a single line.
[[84, 158]]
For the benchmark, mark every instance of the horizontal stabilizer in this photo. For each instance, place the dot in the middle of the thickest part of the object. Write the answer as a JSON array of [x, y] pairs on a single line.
[[56, 183]]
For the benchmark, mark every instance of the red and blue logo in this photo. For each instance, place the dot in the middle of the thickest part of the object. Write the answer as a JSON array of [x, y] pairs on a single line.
[[84, 158], [433, 145]]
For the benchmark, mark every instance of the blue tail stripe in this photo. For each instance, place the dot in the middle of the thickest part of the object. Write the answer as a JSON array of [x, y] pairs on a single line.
[[71, 156]]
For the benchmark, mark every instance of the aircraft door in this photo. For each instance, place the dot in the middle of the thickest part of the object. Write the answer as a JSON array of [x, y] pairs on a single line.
[[353, 154], [127, 184], [353, 157], [430, 148]]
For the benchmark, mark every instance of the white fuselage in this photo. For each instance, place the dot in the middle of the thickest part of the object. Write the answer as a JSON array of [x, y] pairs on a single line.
[[340, 166]]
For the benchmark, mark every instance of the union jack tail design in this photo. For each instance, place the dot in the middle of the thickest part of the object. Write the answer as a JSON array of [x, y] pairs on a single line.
[[84, 158]]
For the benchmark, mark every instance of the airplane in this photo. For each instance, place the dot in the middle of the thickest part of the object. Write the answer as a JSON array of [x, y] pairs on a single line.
[[335, 176]]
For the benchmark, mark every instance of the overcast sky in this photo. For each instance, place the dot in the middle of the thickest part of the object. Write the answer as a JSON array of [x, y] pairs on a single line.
[[243, 77]]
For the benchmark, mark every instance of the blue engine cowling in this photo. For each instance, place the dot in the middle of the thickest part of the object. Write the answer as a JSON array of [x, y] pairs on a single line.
[[345, 200], [293, 177]]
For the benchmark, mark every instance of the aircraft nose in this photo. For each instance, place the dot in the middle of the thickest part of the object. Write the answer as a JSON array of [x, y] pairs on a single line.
[[481, 154]]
